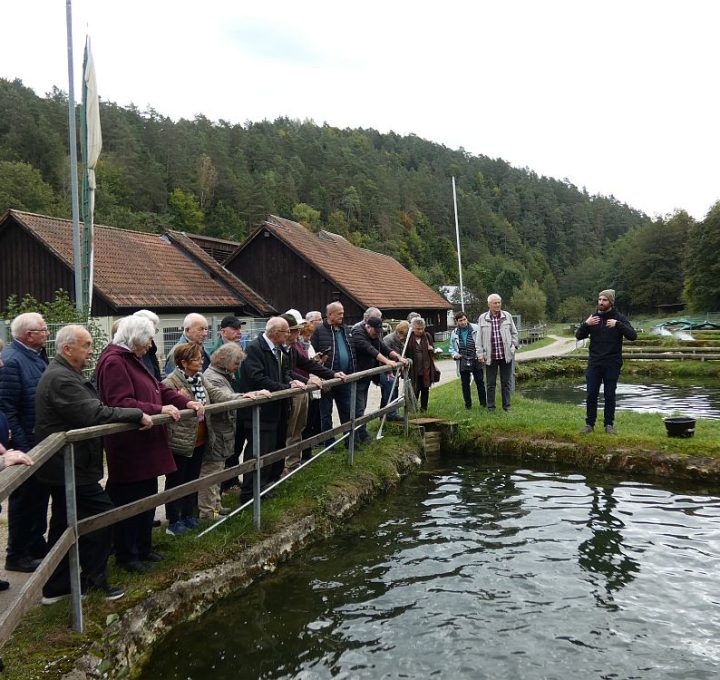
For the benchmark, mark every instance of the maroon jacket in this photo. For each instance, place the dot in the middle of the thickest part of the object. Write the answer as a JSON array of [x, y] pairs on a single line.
[[123, 380]]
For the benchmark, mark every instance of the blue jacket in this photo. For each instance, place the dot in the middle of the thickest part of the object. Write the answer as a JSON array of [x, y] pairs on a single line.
[[18, 382], [4, 431]]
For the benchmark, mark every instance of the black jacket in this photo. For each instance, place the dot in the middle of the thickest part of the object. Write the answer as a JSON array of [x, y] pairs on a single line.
[[66, 400], [323, 340], [365, 348], [606, 343], [260, 371], [306, 365]]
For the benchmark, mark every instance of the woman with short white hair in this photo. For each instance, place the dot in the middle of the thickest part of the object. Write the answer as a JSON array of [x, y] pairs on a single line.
[[136, 458], [150, 357]]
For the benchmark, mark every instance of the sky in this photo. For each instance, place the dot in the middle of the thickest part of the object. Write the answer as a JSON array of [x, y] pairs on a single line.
[[619, 97]]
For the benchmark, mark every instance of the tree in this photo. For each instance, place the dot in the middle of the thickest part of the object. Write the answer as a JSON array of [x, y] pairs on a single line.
[[574, 309], [509, 278], [185, 213], [702, 285], [529, 301], [307, 216], [22, 187]]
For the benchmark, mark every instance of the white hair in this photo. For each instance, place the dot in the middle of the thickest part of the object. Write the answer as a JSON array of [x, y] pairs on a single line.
[[192, 318], [23, 323], [494, 296], [149, 315], [68, 335], [333, 306], [371, 311], [134, 332], [274, 323], [418, 321], [311, 316]]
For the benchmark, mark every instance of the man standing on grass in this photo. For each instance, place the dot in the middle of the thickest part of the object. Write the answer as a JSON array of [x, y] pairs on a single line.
[[606, 329]]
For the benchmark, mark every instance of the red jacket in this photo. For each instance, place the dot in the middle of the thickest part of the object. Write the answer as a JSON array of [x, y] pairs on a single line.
[[123, 380]]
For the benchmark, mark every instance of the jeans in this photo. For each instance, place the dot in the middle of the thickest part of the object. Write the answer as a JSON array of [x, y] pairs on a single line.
[[491, 371], [361, 397], [387, 394], [608, 376], [477, 375], [341, 395]]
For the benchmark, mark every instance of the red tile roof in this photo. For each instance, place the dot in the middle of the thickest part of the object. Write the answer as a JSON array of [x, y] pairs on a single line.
[[137, 269], [368, 277]]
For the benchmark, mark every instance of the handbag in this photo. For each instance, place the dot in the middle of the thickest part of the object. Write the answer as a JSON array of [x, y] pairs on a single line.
[[467, 364], [435, 374]]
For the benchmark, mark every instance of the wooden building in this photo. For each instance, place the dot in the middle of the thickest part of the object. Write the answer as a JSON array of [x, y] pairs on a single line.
[[292, 267]]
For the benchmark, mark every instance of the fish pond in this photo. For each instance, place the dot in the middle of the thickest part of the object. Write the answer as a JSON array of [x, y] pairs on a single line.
[[482, 570]]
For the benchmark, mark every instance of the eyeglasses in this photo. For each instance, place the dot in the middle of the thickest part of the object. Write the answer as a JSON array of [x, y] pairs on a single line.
[[38, 330]]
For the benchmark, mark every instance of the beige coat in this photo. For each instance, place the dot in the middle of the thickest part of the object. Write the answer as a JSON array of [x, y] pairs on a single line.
[[508, 335]]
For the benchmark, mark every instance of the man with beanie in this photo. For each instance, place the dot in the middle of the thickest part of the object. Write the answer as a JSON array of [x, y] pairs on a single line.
[[606, 330]]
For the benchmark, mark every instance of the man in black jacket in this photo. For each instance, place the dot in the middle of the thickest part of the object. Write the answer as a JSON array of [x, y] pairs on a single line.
[[266, 367], [66, 400], [369, 351], [606, 329], [332, 343]]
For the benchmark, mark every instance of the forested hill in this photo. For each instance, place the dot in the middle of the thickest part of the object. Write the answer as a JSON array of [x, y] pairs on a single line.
[[386, 192]]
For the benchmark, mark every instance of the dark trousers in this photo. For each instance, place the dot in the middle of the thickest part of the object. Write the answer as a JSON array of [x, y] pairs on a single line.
[[477, 375], [90, 499], [608, 376], [491, 371], [361, 397], [188, 470], [27, 520], [270, 440], [133, 536], [387, 393], [312, 426], [422, 393], [340, 394], [235, 458]]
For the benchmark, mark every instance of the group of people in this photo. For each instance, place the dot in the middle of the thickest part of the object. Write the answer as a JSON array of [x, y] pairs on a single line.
[[38, 398]]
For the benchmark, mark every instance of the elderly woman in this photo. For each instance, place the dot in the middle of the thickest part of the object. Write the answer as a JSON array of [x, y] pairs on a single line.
[[136, 458], [218, 377], [420, 349], [395, 342]]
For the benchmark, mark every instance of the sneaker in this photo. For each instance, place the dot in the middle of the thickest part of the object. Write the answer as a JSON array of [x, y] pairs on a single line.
[[52, 599], [4, 585], [191, 523], [111, 593], [587, 429], [176, 528], [610, 429], [24, 564]]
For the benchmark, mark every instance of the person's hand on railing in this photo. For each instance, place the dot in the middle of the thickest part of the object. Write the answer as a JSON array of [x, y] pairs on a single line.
[[315, 380], [197, 407], [297, 384], [14, 457], [146, 422], [340, 375], [172, 411], [257, 394]]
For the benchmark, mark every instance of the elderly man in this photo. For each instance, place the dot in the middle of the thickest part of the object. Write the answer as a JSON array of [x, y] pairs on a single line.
[[496, 345], [25, 361], [195, 329], [267, 367], [369, 351], [606, 329], [66, 400], [315, 318], [230, 331], [334, 350]]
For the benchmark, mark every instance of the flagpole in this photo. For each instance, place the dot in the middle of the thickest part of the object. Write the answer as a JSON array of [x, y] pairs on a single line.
[[77, 260], [457, 236]]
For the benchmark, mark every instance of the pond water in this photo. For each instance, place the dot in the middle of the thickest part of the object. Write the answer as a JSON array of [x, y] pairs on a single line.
[[481, 571], [689, 398]]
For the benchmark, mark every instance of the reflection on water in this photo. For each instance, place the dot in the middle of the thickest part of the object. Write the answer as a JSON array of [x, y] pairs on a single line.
[[691, 400], [482, 572]]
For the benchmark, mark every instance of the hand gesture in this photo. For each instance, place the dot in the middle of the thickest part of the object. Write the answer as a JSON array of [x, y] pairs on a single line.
[[592, 320]]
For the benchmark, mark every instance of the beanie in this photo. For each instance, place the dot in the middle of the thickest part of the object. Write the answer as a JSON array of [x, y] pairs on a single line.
[[609, 294]]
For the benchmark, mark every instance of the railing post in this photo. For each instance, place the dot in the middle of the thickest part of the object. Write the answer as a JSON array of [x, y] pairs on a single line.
[[256, 454], [74, 552], [406, 410], [351, 434]]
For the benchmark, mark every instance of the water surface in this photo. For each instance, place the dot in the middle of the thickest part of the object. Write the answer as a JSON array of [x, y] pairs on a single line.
[[480, 571]]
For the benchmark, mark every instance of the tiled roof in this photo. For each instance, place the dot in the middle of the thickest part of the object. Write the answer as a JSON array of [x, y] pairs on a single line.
[[368, 277], [135, 269]]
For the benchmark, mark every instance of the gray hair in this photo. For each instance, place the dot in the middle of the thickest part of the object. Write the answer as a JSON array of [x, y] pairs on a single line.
[[274, 323], [226, 355], [192, 318], [149, 315], [418, 321], [412, 315], [134, 332], [492, 296], [333, 306], [310, 316], [371, 311], [23, 323], [68, 335]]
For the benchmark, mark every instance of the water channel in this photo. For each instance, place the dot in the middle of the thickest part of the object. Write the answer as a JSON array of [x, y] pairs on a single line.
[[480, 570], [696, 398]]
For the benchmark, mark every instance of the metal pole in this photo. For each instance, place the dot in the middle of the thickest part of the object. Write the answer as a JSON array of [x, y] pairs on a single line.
[[72, 134], [256, 454], [351, 447], [406, 411], [74, 552], [457, 236]]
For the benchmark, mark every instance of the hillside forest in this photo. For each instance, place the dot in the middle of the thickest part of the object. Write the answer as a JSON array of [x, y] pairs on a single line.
[[544, 244]]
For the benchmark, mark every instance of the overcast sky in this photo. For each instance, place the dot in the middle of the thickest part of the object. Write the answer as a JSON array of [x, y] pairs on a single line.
[[618, 96]]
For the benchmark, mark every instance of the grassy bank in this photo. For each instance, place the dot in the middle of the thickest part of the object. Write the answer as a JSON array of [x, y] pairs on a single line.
[[554, 368], [43, 646]]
